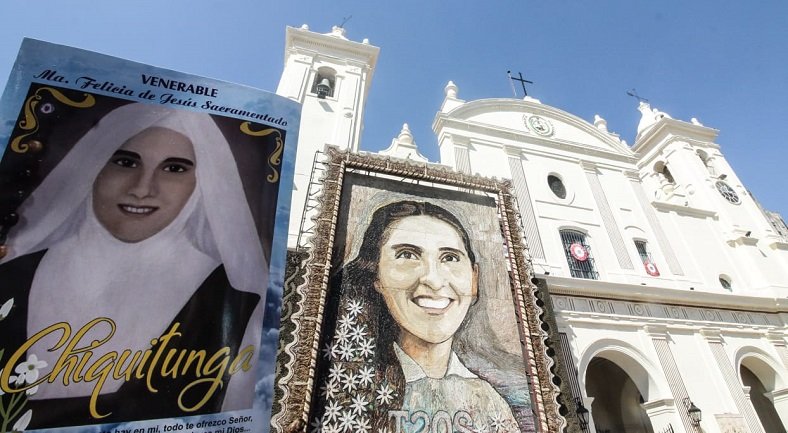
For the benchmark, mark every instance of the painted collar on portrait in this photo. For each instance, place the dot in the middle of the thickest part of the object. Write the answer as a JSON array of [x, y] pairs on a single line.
[[413, 371]]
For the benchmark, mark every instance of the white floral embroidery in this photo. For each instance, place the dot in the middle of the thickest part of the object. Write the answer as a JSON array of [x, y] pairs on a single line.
[[347, 420], [385, 394], [331, 428], [349, 383], [329, 388], [366, 375], [336, 371], [6, 308], [362, 426], [359, 405], [330, 351], [21, 424], [497, 423], [358, 332], [332, 411], [346, 352], [366, 348], [354, 307], [341, 336], [346, 321], [317, 425], [28, 370], [11, 379]]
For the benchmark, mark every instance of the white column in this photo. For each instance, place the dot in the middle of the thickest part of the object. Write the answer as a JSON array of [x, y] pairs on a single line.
[[739, 393], [659, 337], [779, 399], [662, 413]]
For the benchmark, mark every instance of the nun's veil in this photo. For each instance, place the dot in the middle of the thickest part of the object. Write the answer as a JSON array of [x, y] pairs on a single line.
[[221, 224]]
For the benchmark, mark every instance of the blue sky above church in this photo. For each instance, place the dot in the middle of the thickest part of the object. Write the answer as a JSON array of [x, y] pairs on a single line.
[[725, 65]]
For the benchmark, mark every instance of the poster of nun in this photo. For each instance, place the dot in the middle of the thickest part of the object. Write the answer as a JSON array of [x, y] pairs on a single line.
[[426, 319], [143, 216]]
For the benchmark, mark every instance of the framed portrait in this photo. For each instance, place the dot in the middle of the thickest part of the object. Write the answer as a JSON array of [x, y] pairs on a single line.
[[138, 248], [415, 312]]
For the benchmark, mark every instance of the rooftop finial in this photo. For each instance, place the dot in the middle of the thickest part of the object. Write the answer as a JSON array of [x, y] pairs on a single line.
[[451, 90], [600, 123], [338, 32], [405, 135]]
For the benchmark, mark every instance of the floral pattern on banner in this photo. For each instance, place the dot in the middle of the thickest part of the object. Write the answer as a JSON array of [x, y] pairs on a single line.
[[12, 404], [352, 395]]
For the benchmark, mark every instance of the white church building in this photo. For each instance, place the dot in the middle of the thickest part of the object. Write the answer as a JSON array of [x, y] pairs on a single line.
[[668, 281]]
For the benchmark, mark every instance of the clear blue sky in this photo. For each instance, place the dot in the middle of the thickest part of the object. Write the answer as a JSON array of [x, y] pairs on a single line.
[[725, 63]]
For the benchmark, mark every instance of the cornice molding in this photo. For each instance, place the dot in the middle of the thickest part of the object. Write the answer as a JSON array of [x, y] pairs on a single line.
[[667, 126], [662, 295], [684, 210]]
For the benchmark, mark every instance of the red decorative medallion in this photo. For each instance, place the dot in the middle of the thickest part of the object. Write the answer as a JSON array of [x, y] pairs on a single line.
[[579, 252], [651, 268]]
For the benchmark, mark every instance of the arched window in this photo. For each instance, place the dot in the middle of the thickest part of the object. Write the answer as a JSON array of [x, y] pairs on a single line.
[[662, 169], [668, 175], [324, 83], [578, 254], [704, 157], [645, 257]]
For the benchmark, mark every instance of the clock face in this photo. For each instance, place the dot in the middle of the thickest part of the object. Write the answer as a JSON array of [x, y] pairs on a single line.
[[727, 192]]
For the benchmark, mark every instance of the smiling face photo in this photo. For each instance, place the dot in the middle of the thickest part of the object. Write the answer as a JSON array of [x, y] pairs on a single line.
[[145, 184], [426, 278]]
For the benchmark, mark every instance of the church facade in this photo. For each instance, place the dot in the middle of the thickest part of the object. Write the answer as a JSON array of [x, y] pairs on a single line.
[[667, 281]]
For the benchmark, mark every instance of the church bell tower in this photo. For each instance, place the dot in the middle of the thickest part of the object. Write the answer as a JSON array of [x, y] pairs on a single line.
[[330, 75]]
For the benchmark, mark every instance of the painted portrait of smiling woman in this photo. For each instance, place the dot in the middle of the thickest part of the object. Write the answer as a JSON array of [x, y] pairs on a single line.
[[414, 348], [141, 237]]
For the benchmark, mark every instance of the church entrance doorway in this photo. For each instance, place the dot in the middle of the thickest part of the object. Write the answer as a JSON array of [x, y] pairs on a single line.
[[762, 381], [617, 401]]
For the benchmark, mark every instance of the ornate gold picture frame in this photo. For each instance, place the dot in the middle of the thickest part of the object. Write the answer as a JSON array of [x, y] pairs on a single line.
[[413, 309]]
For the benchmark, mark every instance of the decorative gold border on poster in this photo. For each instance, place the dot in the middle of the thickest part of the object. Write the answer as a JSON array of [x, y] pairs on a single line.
[[276, 156], [30, 122], [300, 331]]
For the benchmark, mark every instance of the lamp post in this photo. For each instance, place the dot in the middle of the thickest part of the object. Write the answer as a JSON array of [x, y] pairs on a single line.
[[693, 411], [582, 414]]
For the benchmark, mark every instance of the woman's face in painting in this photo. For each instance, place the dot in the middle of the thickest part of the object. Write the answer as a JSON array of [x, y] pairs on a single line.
[[145, 184], [426, 277]]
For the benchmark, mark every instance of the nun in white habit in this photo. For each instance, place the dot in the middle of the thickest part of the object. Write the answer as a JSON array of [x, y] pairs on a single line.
[[144, 222]]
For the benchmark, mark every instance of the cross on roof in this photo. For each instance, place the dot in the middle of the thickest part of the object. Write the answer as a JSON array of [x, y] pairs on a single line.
[[521, 80], [633, 93]]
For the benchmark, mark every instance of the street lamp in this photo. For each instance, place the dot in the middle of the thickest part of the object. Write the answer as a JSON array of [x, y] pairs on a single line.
[[582, 413], [693, 411]]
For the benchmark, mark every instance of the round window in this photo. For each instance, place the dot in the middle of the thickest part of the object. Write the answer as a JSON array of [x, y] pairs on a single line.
[[727, 192], [557, 186]]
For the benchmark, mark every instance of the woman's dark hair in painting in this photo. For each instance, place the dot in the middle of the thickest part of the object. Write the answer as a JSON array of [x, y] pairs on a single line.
[[357, 282]]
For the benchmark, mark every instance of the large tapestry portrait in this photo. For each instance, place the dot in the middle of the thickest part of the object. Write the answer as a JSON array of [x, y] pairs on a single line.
[[421, 326]]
